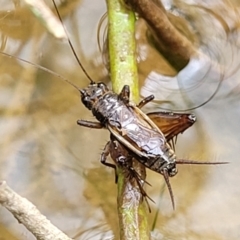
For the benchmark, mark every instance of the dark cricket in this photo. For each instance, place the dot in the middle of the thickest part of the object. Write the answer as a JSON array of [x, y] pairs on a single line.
[[145, 137]]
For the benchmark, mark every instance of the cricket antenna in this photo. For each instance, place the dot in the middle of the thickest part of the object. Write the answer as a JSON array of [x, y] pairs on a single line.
[[210, 98], [219, 84], [104, 16], [42, 68], [71, 45], [183, 161], [165, 175]]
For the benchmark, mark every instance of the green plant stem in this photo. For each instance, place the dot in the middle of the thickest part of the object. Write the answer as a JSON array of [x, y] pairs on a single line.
[[122, 48], [123, 71]]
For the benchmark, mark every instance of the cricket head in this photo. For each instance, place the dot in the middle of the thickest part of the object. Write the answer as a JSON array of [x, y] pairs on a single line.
[[91, 94]]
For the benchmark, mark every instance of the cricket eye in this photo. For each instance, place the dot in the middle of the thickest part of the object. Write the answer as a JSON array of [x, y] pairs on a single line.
[[85, 99], [87, 102]]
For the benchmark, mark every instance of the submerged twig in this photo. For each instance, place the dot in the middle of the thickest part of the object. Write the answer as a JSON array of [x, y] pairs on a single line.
[[172, 44]]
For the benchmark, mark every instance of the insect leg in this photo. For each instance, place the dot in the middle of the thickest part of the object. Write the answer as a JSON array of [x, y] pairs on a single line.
[[104, 156], [89, 124], [140, 186], [124, 94], [125, 159], [145, 101]]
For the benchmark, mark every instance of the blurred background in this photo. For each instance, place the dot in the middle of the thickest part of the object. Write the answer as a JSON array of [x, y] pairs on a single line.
[[47, 158]]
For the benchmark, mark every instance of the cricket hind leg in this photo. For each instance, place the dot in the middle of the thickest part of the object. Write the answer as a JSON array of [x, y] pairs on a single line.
[[134, 174], [145, 101], [126, 162], [113, 148]]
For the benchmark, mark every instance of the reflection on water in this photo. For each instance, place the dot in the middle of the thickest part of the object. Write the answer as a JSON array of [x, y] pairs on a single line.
[[53, 162]]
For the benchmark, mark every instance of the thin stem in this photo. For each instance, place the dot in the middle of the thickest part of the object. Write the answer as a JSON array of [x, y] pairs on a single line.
[[123, 71], [122, 48]]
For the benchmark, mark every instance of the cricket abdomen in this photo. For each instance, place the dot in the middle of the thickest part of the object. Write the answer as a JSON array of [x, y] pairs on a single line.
[[165, 161]]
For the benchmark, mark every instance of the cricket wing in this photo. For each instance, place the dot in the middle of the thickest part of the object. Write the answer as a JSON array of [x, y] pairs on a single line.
[[171, 124]]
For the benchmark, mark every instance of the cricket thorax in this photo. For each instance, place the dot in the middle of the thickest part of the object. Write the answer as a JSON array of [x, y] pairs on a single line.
[[107, 108]]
